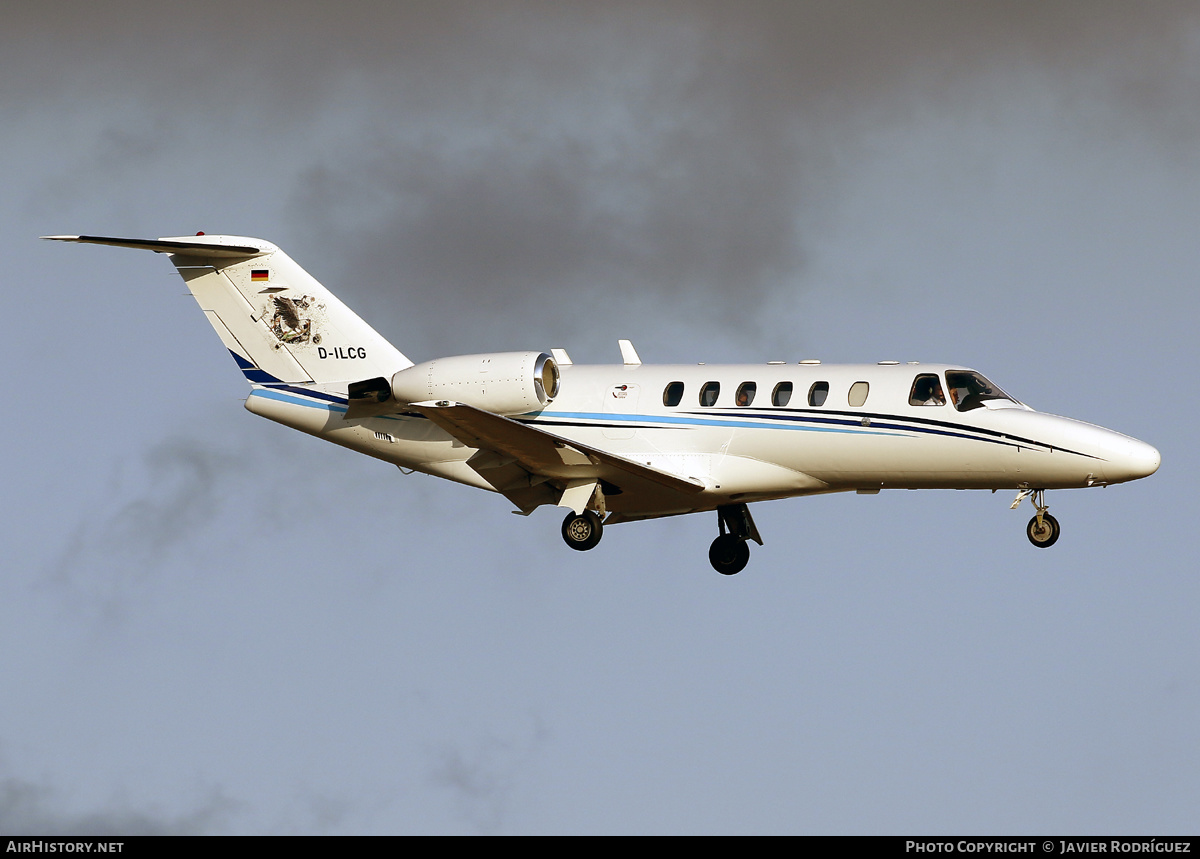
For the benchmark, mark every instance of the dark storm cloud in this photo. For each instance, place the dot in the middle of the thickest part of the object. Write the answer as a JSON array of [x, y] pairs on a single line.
[[563, 237], [550, 166], [679, 158]]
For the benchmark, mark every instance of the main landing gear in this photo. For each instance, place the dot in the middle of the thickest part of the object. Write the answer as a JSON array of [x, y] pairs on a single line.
[[582, 531], [1043, 529], [729, 553]]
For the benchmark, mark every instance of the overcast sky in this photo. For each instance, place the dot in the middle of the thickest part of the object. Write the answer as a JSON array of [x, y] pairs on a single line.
[[212, 624]]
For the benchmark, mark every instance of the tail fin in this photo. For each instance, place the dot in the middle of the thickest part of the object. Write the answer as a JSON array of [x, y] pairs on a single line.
[[277, 321]]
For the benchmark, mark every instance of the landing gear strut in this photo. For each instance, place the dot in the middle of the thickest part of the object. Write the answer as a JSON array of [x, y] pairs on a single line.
[[729, 553], [582, 531], [1043, 529]]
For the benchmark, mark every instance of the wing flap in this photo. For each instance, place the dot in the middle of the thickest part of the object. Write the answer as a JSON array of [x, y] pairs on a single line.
[[544, 454]]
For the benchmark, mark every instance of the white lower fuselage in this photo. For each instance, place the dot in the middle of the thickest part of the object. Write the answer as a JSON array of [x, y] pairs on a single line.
[[761, 450]]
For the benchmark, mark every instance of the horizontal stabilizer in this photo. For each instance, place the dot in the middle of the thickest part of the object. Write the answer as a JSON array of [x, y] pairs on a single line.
[[279, 323], [195, 249]]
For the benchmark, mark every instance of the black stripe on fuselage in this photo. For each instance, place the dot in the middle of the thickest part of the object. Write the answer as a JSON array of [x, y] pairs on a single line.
[[922, 424], [926, 426]]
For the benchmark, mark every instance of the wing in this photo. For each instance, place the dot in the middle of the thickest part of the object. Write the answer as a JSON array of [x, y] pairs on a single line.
[[530, 466]]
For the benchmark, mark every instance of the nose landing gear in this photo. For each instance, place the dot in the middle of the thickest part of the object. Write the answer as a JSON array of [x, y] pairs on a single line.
[[1043, 529]]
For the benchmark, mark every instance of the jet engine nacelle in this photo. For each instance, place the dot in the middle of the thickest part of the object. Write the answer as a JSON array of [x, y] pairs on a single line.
[[507, 383]]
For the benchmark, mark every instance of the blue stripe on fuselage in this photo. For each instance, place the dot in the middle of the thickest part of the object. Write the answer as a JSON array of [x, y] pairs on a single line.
[[656, 422], [841, 422], [793, 421], [285, 395]]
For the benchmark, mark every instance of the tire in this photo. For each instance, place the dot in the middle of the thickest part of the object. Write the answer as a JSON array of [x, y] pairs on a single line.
[[1047, 535], [583, 531], [728, 554]]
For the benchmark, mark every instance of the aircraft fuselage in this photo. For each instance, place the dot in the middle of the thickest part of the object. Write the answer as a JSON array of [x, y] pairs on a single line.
[[761, 450]]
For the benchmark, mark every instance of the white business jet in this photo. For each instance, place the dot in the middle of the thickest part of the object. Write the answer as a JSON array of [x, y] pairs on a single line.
[[633, 441]]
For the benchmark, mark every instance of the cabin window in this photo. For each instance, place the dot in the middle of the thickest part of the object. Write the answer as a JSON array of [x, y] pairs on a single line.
[[858, 394], [968, 390], [745, 394], [818, 393], [673, 394], [782, 394], [927, 391], [708, 394]]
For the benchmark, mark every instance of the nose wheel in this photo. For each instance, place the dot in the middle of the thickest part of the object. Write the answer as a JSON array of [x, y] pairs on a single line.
[[1043, 529]]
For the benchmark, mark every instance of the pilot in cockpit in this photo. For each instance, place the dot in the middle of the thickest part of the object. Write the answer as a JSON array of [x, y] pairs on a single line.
[[927, 391]]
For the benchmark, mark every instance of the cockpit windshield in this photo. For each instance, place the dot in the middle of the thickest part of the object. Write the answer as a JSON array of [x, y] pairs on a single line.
[[969, 389]]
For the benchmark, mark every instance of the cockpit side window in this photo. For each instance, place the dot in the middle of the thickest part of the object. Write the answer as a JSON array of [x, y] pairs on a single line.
[[969, 389], [708, 394], [745, 393], [673, 394], [927, 391], [818, 393], [782, 395]]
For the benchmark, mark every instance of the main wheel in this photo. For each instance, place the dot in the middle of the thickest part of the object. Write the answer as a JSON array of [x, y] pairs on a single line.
[[1045, 536], [728, 554], [582, 531]]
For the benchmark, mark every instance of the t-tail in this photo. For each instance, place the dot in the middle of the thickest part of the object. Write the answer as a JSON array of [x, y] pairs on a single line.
[[279, 323]]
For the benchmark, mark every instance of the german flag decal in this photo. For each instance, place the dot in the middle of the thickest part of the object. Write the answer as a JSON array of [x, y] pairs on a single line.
[[260, 275]]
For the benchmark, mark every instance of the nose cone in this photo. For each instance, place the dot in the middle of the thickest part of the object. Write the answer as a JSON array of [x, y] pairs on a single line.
[[1082, 454], [1130, 459]]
